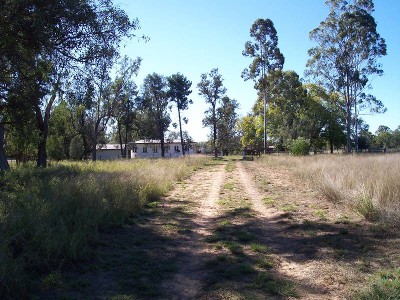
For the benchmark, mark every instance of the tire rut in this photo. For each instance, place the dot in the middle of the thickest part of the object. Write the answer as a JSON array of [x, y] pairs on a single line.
[[188, 281]]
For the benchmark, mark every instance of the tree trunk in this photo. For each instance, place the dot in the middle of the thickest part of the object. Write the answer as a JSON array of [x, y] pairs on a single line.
[[214, 133], [94, 150], [348, 127], [3, 157], [43, 126], [161, 132], [94, 142], [180, 131], [42, 153]]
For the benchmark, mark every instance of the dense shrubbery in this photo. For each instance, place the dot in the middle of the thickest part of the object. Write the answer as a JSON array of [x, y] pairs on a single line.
[[299, 147], [49, 216]]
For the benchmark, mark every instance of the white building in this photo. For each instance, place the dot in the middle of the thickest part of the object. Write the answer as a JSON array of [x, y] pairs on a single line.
[[152, 149], [108, 151]]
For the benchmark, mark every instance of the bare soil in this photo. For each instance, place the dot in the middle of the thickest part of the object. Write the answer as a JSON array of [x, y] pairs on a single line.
[[234, 230]]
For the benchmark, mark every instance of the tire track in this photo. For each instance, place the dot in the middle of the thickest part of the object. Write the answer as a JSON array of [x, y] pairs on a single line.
[[188, 281]]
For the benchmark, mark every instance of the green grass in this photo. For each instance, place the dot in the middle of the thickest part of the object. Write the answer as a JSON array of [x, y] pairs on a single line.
[[385, 286], [52, 216], [289, 208], [268, 201]]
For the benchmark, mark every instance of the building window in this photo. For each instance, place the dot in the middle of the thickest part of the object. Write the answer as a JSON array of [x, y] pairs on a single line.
[[177, 149], [144, 149], [134, 149], [167, 149], [155, 149]]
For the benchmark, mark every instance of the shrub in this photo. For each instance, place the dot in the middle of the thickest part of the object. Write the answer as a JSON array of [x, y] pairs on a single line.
[[299, 147], [76, 148]]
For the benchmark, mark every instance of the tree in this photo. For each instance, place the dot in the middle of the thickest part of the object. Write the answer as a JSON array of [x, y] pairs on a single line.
[[3, 159], [61, 132], [179, 90], [124, 91], [251, 130], [384, 137], [50, 38], [155, 100], [187, 139], [226, 124], [287, 107], [266, 58], [346, 55], [329, 114], [212, 89]]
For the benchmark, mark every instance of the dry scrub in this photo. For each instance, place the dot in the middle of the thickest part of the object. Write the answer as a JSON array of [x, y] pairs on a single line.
[[367, 183], [370, 184]]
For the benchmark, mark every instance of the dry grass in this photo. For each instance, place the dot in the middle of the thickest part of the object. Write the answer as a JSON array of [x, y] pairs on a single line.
[[52, 216], [367, 183]]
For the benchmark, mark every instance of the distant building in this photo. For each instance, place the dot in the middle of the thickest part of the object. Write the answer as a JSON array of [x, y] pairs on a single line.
[[109, 151], [152, 149]]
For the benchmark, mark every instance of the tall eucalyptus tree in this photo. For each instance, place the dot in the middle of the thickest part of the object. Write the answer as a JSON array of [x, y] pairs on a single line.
[[346, 55], [266, 58]]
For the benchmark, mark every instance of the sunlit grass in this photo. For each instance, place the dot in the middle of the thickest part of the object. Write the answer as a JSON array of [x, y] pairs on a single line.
[[367, 183]]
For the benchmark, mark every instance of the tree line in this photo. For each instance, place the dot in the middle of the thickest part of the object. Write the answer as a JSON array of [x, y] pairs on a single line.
[[326, 109], [63, 85]]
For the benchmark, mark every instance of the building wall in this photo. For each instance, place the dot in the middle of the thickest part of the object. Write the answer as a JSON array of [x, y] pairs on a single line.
[[151, 154], [102, 154]]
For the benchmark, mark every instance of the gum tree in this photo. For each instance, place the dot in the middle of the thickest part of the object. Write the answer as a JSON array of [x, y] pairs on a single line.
[[155, 102], [212, 89], [178, 92], [267, 57], [346, 55]]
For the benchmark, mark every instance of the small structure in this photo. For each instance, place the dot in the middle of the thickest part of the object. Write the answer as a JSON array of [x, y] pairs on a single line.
[[108, 151], [152, 149]]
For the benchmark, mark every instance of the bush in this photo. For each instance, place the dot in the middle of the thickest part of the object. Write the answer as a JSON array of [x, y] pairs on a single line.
[[299, 147], [76, 148]]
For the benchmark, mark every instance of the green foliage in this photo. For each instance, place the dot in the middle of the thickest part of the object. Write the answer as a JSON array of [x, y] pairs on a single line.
[[226, 125], [76, 148], [212, 89], [155, 102], [264, 50], [179, 90], [346, 55], [299, 147], [250, 128]]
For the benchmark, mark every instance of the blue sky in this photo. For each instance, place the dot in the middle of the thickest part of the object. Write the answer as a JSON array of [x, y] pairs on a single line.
[[192, 37]]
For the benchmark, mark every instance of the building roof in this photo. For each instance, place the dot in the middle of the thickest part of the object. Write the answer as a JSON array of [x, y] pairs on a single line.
[[167, 141], [108, 147]]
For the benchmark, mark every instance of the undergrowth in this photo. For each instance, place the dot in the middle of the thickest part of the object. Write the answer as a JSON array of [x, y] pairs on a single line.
[[53, 216]]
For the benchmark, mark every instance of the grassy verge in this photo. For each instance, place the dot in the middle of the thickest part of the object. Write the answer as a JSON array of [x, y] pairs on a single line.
[[53, 216]]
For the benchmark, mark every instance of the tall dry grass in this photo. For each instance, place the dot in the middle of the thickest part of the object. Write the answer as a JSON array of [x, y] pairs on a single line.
[[368, 183], [52, 216]]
